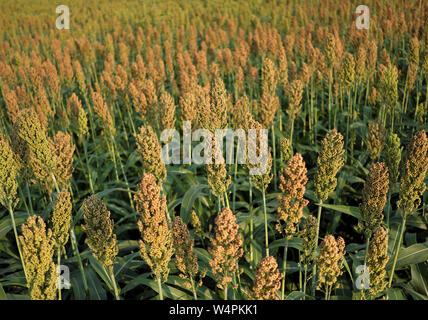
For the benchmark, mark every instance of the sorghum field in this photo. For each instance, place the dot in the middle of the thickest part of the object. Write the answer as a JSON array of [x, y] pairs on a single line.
[[90, 210]]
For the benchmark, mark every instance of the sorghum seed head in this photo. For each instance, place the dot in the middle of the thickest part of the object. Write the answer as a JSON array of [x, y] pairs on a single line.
[[61, 218], [415, 165], [330, 161], [267, 281], [374, 199], [9, 171], [63, 153], [226, 248], [309, 235], [377, 258], [99, 231], [156, 244], [291, 202], [187, 260], [150, 150], [38, 251], [375, 141], [392, 155], [329, 261], [30, 130]]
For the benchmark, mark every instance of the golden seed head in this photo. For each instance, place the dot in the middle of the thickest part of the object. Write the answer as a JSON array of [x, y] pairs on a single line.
[[61, 218], [374, 199], [260, 181], [377, 258], [241, 115], [292, 184], [269, 104], [22, 153], [283, 69], [63, 153], [187, 260], [286, 152], [330, 260], [330, 161], [139, 100], [226, 248], [414, 51], [330, 48], [393, 151], [11, 101], [375, 141], [219, 106], [103, 112], [388, 82], [77, 115], [309, 235], [269, 77], [188, 105], [267, 281], [38, 251], [415, 165], [360, 63], [150, 150], [156, 244], [99, 231], [347, 72], [82, 123], [9, 171], [295, 97], [30, 130], [166, 111]]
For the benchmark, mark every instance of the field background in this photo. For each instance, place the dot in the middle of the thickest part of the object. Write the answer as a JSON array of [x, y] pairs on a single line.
[[131, 53]]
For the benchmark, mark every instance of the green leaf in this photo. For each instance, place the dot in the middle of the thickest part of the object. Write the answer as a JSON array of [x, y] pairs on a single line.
[[296, 243], [419, 274], [140, 280], [352, 211], [189, 198], [101, 271], [411, 255], [415, 295], [395, 294], [295, 295], [96, 290], [3, 295], [6, 222]]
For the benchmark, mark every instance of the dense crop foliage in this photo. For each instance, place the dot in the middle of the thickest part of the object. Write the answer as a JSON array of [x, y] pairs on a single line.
[[340, 213]]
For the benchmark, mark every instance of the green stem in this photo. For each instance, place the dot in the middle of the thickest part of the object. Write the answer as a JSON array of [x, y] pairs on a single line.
[[21, 194], [251, 224], [274, 155], [193, 288], [85, 148], [227, 200], [77, 254], [304, 281], [58, 266], [284, 269], [314, 272], [113, 281], [113, 155], [235, 173], [123, 173], [29, 197], [400, 239], [388, 211], [17, 239], [266, 225], [160, 289]]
